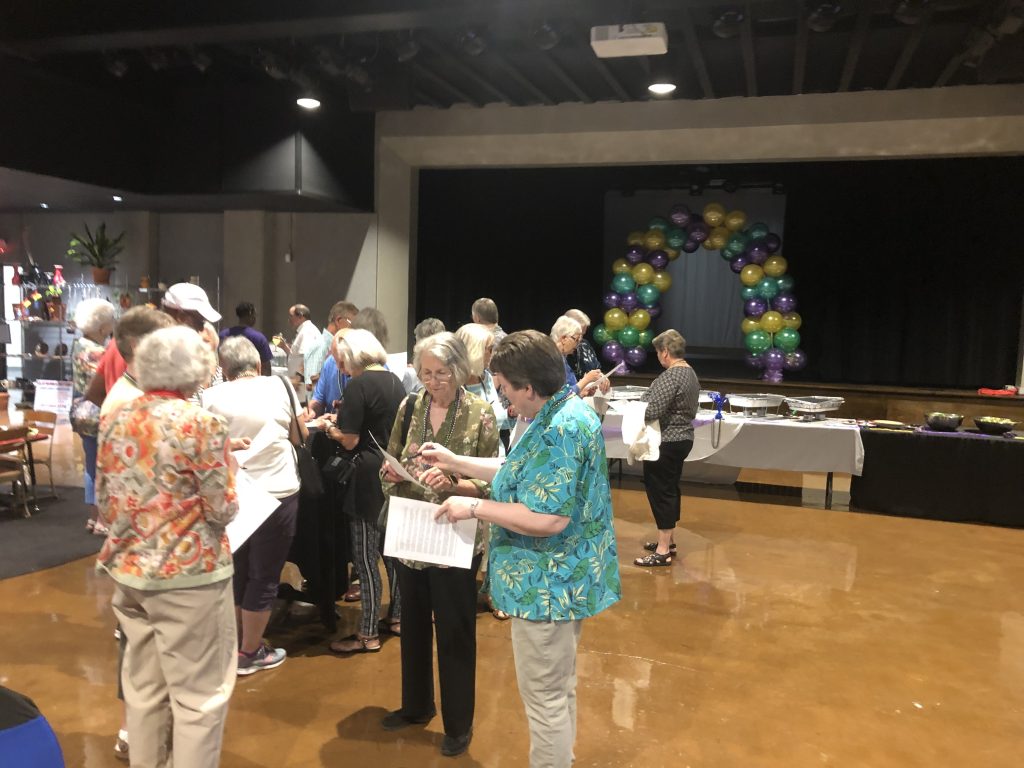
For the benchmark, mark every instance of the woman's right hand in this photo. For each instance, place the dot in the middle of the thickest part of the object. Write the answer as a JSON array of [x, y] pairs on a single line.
[[388, 474], [436, 455]]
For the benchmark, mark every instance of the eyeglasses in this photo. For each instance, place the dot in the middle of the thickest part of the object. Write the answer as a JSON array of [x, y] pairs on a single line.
[[440, 378], [576, 339]]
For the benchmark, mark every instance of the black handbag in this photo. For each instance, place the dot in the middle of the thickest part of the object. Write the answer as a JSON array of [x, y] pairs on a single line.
[[311, 485]]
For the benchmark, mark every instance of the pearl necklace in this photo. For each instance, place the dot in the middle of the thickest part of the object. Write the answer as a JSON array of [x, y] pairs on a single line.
[[451, 426]]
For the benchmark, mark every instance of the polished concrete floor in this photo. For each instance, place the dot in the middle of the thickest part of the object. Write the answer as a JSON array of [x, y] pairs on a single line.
[[784, 636]]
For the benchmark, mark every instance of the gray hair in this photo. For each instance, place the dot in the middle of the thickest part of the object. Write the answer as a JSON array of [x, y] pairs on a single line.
[[484, 310], [449, 349], [372, 319], [428, 327], [238, 355], [565, 326], [579, 316], [477, 338], [174, 358], [91, 315], [359, 348], [670, 341]]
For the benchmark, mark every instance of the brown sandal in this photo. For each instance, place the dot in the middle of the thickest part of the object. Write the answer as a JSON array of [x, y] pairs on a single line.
[[391, 627], [654, 560], [652, 546], [355, 644]]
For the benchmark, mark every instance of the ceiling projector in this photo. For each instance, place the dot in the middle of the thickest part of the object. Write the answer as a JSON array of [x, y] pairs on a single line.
[[615, 40]]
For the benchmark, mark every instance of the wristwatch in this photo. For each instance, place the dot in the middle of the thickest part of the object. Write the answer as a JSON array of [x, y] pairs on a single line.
[[472, 507]]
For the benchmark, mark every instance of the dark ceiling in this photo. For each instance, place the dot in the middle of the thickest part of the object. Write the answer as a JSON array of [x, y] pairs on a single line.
[[397, 54]]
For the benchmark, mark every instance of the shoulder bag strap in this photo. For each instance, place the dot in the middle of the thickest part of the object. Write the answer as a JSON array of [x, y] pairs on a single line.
[[294, 435]]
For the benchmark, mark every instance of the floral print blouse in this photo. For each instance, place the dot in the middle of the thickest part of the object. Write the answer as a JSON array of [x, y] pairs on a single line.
[[475, 433], [85, 358], [166, 491], [558, 467]]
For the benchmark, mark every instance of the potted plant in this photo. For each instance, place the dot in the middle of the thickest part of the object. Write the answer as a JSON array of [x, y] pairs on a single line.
[[96, 250]]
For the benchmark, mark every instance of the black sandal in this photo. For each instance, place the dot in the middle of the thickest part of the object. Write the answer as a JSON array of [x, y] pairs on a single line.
[[652, 546], [654, 560]]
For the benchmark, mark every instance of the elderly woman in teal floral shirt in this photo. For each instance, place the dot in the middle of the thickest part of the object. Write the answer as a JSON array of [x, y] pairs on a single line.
[[553, 559]]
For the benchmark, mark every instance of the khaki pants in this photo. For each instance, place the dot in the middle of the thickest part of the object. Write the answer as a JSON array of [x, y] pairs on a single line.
[[545, 656], [179, 671]]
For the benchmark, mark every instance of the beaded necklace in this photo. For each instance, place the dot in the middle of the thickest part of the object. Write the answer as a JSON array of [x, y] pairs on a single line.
[[451, 425]]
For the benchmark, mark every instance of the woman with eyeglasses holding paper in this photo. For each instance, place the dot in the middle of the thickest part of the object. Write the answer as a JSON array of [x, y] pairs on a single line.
[[553, 560], [437, 599], [567, 335]]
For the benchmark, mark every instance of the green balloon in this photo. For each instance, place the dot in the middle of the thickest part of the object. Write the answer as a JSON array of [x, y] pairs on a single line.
[[675, 237], [601, 334], [786, 283], [629, 336], [623, 283], [758, 230], [737, 243], [757, 342], [749, 292], [657, 223], [727, 255], [646, 337], [648, 295], [767, 288], [787, 339]]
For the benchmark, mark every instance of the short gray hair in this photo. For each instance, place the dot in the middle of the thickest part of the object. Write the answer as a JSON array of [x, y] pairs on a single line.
[[91, 315], [359, 348], [670, 341], [449, 349], [176, 359], [565, 326], [484, 310], [477, 338], [428, 327], [238, 355], [579, 316], [372, 319]]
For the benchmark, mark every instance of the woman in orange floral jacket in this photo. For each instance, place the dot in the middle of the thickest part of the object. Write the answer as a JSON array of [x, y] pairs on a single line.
[[166, 491]]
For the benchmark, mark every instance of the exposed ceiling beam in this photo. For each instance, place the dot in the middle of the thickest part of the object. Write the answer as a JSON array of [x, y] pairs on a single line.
[[693, 48], [951, 68], [909, 49], [423, 70], [860, 35], [747, 43], [421, 95], [559, 72], [467, 72], [609, 77], [800, 54], [518, 76]]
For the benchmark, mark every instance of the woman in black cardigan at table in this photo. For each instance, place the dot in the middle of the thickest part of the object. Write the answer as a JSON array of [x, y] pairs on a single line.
[[672, 400]]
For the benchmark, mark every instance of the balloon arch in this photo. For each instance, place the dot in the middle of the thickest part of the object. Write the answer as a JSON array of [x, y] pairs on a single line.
[[770, 324]]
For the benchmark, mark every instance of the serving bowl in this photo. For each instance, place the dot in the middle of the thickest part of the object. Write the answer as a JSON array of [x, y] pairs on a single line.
[[943, 422], [992, 425]]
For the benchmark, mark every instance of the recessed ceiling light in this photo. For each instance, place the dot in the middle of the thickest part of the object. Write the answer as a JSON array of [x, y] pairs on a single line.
[[661, 89], [308, 102], [44, 205], [118, 198]]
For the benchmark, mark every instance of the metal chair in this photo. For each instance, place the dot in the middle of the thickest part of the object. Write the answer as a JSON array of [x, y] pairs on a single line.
[[14, 464], [45, 424]]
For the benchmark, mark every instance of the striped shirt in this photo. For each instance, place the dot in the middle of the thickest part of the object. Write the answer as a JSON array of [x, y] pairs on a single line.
[[314, 357]]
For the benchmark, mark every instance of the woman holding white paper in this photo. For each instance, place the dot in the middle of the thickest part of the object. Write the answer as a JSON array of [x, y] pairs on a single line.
[[437, 599]]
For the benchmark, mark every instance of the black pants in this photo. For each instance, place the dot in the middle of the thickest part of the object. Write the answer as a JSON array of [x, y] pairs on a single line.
[[259, 561], [441, 600], [662, 480]]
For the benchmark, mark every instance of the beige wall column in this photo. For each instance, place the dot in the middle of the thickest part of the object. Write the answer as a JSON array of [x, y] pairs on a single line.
[[245, 266], [397, 185]]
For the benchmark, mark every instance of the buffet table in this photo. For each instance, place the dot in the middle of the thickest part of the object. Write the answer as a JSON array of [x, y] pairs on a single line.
[[958, 477]]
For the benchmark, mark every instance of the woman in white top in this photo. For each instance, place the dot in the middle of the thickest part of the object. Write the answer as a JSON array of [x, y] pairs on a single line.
[[479, 341], [261, 409]]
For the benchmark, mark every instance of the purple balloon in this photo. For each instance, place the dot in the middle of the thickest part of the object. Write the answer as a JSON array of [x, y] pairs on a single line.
[[754, 360], [756, 252], [737, 264], [628, 301], [680, 215], [755, 307], [657, 259], [613, 352], [784, 302], [653, 310], [691, 246], [698, 231], [772, 242], [636, 356], [635, 254], [795, 360], [774, 359], [773, 377], [611, 300]]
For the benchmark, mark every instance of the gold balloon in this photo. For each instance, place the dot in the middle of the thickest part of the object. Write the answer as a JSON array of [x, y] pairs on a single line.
[[735, 220], [615, 319], [775, 266], [654, 239], [673, 254], [714, 214], [771, 321], [643, 273], [718, 238], [662, 281], [639, 319], [635, 238], [621, 266], [751, 274], [792, 320], [749, 325]]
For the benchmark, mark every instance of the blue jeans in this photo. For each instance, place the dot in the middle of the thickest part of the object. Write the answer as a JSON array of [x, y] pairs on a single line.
[[89, 448]]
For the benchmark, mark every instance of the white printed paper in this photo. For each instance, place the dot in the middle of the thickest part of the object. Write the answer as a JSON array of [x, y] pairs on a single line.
[[254, 506], [267, 435], [55, 397], [396, 465], [413, 534]]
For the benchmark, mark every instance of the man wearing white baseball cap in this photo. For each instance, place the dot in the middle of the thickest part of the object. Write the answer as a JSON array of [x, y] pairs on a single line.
[[188, 304]]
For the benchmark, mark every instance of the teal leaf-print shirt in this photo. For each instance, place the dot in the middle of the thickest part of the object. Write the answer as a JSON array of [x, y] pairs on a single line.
[[558, 467]]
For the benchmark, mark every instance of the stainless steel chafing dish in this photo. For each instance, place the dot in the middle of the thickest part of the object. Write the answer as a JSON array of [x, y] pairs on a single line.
[[755, 406], [627, 392], [813, 407]]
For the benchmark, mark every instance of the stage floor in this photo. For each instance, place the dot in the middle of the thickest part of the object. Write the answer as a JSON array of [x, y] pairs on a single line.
[[786, 636]]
